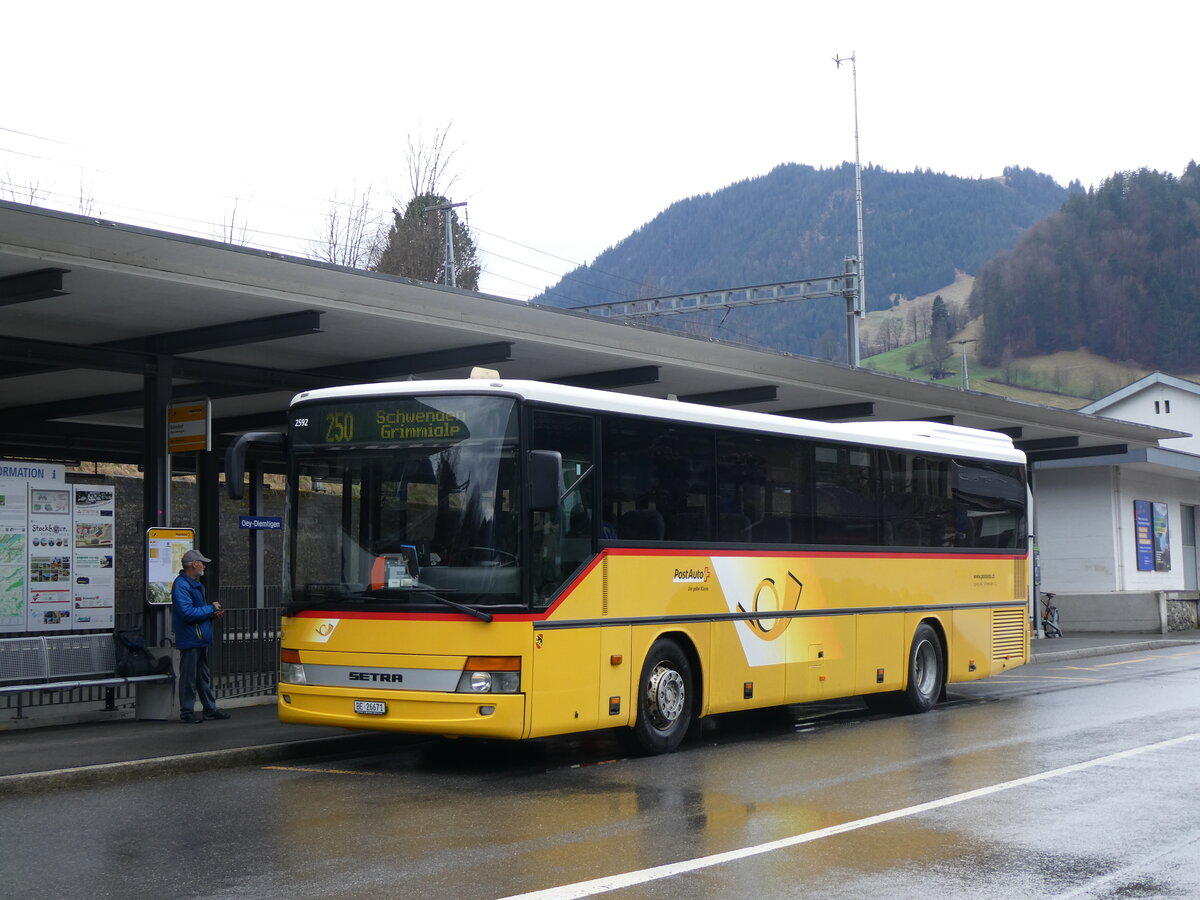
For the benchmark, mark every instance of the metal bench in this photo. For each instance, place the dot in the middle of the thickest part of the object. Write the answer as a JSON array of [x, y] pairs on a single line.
[[63, 663]]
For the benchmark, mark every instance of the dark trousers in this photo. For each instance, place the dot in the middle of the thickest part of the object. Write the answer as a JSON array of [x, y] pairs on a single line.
[[195, 678]]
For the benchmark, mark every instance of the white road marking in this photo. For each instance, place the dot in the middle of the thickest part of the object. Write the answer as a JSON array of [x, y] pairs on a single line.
[[630, 879]]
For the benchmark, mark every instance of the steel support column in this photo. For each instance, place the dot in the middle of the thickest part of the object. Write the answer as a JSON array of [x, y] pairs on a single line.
[[208, 501], [255, 535], [156, 465], [156, 475]]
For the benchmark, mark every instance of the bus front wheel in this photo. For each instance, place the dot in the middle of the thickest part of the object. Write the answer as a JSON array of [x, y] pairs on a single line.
[[926, 671], [664, 698]]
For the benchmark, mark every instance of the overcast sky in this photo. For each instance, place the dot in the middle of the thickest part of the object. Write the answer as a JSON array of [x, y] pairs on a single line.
[[575, 123]]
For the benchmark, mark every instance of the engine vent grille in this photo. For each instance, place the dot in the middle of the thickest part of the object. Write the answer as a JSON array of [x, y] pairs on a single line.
[[1008, 634]]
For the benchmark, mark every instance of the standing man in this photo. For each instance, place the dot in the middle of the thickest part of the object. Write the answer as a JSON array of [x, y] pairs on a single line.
[[192, 616]]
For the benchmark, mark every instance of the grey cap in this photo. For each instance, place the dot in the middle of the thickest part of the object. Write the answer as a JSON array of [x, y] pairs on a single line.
[[194, 556]]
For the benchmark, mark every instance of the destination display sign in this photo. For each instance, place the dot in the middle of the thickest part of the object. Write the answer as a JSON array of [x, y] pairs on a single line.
[[401, 421]]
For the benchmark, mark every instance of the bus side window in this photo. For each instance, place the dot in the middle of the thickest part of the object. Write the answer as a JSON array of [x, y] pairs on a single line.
[[562, 539]]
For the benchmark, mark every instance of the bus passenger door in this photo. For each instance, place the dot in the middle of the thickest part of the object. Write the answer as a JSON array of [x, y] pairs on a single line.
[[567, 657]]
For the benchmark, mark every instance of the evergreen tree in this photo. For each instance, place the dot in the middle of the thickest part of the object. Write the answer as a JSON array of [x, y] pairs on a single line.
[[1115, 271], [415, 246]]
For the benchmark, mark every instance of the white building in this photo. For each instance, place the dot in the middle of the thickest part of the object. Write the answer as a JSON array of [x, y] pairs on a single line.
[[1116, 534]]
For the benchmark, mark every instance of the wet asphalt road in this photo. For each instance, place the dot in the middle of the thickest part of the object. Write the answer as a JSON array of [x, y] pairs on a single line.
[[1058, 780]]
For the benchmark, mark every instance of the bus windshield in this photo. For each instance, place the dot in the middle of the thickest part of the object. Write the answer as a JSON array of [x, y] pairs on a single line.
[[404, 502]]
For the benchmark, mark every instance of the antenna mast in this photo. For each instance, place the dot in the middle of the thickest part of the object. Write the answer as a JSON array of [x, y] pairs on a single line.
[[857, 309], [445, 208]]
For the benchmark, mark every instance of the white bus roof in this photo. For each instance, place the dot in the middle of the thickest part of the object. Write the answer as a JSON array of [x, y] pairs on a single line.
[[929, 437]]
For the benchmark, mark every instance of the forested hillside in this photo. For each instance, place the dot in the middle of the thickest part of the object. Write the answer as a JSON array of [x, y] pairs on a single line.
[[1115, 272], [799, 222]]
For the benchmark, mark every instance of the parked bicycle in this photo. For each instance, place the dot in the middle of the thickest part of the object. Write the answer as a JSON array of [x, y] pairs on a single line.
[[1050, 626]]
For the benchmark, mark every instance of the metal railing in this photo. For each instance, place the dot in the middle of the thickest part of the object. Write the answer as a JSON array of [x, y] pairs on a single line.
[[245, 652], [244, 660]]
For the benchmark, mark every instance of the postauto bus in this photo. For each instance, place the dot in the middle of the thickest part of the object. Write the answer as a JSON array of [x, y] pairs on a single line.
[[513, 559]]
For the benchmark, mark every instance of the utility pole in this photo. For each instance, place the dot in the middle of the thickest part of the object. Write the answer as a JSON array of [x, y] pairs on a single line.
[[966, 379], [859, 308], [445, 209]]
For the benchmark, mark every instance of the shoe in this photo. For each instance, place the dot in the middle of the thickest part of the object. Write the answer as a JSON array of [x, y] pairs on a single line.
[[190, 719], [215, 714]]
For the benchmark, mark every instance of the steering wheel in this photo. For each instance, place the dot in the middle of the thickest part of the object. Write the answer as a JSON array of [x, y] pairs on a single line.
[[489, 556]]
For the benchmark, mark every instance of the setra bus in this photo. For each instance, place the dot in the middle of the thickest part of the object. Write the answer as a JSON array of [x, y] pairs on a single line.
[[514, 559]]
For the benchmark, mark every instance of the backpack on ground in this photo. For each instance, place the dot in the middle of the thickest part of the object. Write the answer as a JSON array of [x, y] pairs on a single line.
[[133, 658]]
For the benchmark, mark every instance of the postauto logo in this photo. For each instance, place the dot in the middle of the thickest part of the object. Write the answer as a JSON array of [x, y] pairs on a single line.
[[692, 576]]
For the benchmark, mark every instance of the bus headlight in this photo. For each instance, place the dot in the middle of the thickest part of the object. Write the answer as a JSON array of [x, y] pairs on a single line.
[[291, 671], [490, 675]]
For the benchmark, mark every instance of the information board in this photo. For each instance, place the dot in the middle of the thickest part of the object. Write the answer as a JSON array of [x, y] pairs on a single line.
[[164, 558], [14, 571], [50, 557], [94, 508]]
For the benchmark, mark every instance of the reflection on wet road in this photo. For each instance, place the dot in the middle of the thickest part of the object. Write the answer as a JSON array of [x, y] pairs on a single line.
[[1051, 781]]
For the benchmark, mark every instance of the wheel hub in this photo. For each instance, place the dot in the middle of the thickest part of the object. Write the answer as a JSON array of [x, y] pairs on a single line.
[[666, 696]]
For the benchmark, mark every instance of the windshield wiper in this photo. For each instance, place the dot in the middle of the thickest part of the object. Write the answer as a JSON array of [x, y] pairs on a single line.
[[463, 608], [445, 601]]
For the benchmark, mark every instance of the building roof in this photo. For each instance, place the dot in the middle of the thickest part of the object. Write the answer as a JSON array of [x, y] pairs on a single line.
[[1161, 379]]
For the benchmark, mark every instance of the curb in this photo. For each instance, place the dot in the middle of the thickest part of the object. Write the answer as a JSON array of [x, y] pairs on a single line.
[[1111, 650], [188, 763]]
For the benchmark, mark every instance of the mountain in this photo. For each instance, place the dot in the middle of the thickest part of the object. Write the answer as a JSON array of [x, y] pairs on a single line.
[[797, 222], [1115, 272]]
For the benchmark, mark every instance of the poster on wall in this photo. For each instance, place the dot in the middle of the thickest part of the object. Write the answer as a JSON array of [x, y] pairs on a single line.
[[50, 558], [1162, 539], [94, 590], [14, 525], [1143, 529], [164, 558]]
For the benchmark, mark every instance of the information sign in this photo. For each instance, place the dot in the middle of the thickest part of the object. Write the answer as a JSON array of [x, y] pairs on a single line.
[[14, 573], [187, 427], [94, 583], [261, 523], [164, 558], [50, 557]]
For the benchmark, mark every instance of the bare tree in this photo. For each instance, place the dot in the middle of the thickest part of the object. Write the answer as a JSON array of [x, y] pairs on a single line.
[[30, 192], [233, 232], [893, 332], [429, 165], [86, 199], [413, 244], [351, 234]]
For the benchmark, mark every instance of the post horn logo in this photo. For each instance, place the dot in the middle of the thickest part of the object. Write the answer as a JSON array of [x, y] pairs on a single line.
[[766, 600]]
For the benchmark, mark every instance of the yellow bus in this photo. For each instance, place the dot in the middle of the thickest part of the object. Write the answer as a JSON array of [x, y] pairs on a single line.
[[515, 559]]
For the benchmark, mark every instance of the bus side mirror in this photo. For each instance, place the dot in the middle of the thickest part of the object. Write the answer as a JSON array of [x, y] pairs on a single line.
[[235, 457], [545, 472]]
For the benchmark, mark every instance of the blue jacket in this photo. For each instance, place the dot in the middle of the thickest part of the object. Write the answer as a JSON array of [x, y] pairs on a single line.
[[191, 614]]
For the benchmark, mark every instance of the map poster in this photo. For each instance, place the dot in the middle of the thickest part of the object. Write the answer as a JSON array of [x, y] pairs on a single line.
[[14, 526], [94, 590], [164, 558], [50, 558]]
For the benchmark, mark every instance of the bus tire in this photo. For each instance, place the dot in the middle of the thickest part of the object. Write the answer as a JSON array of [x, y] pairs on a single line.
[[664, 699], [926, 671]]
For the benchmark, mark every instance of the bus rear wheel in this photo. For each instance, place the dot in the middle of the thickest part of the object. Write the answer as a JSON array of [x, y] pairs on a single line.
[[664, 699], [926, 671]]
